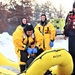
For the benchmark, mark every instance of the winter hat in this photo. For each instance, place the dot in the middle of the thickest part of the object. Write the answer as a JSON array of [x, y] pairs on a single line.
[[74, 5], [28, 27]]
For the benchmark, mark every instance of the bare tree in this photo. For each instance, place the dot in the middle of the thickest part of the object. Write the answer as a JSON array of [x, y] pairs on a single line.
[[3, 18], [46, 8], [61, 12]]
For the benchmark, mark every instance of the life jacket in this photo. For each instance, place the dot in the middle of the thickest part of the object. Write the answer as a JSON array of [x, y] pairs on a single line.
[[71, 19], [33, 37]]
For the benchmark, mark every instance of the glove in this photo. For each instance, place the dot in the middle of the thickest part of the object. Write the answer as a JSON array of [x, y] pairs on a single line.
[[35, 50], [29, 51], [51, 43]]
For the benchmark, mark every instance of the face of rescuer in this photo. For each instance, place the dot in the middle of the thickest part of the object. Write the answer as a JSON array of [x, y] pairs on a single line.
[[24, 21]]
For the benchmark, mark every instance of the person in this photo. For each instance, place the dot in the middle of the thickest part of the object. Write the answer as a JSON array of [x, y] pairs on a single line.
[[23, 24], [18, 30], [69, 31], [27, 44], [48, 31]]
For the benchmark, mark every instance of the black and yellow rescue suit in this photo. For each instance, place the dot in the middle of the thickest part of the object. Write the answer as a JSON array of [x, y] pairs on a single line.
[[21, 41], [48, 31]]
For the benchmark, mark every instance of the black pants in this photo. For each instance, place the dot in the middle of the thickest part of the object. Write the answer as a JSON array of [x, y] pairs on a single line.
[[40, 51], [23, 56], [72, 50], [29, 61]]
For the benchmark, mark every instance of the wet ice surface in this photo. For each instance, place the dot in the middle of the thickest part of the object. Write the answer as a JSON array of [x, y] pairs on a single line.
[[11, 69], [61, 43]]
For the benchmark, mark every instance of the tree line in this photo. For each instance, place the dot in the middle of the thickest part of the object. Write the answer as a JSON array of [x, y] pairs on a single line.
[[12, 13]]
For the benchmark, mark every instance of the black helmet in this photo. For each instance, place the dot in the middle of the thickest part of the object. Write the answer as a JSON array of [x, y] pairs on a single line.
[[28, 27], [74, 5]]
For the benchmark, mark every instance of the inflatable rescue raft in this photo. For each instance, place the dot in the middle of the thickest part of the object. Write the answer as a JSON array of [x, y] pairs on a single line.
[[7, 62], [58, 61]]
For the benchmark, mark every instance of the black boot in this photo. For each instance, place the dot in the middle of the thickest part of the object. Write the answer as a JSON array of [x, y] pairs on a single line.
[[48, 73], [22, 68]]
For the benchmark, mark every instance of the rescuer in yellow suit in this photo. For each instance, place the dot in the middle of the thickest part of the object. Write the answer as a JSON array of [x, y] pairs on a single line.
[[24, 41], [20, 29], [48, 31]]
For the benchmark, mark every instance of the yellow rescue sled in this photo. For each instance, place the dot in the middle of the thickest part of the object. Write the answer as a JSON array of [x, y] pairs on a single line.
[[59, 61]]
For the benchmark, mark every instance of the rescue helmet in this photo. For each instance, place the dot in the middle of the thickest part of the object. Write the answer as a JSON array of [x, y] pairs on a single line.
[[28, 27]]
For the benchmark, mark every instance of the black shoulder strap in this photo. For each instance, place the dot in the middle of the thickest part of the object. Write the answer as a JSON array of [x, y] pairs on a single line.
[[47, 28], [39, 29], [27, 41]]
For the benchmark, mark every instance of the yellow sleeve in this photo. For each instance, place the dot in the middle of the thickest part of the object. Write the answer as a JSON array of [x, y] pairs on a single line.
[[38, 38], [52, 31], [36, 27], [18, 39], [19, 45]]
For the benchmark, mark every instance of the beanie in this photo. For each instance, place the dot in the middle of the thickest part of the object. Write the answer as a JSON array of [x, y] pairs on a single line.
[[28, 27], [43, 15], [74, 5]]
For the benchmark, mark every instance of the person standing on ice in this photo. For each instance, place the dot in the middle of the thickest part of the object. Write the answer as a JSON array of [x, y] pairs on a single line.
[[20, 29], [48, 31], [27, 43], [69, 31]]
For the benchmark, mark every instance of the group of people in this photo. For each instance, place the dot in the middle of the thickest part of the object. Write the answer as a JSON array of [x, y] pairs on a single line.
[[30, 41]]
